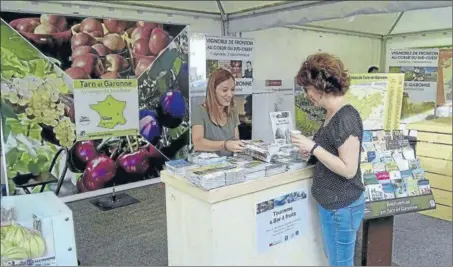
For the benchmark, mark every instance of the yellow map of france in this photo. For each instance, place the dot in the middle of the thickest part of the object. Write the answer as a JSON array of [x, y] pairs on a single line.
[[110, 111]]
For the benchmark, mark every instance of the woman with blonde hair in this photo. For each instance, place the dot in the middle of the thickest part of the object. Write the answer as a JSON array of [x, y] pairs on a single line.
[[215, 122], [337, 184]]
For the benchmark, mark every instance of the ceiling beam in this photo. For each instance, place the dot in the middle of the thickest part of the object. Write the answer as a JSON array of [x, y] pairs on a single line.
[[336, 31], [76, 7], [395, 23], [408, 34], [279, 7]]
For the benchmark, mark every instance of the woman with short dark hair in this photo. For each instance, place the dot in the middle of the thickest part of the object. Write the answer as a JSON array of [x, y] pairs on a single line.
[[337, 184]]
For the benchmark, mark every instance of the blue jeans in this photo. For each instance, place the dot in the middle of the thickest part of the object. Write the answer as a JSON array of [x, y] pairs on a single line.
[[339, 230]]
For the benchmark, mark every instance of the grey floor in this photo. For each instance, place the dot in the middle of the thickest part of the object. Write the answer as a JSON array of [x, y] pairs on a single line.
[[136, 235]]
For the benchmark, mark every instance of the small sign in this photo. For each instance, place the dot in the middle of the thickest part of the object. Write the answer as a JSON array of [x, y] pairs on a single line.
[[279, 220], [390, 207], [273, 83]]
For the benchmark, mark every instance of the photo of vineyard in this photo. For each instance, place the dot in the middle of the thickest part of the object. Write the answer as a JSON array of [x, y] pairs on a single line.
[[308, 117]]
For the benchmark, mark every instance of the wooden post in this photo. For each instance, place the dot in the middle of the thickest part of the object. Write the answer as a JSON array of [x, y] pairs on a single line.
[[377, 242]]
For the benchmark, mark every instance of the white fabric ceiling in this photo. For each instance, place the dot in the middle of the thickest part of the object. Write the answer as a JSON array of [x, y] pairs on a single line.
[[375, 18], [371, 17]]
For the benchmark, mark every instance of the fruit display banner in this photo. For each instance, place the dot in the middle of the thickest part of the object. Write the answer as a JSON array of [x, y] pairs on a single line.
[[47, 61], [272, 96], [444, 86], [377, 96], [105, 108], [420, 74], [234, 54]]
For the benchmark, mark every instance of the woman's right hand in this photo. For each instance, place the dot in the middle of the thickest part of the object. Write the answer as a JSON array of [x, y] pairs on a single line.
[[235, 146]]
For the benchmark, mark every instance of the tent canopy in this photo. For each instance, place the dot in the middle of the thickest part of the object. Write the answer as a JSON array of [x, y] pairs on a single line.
[[367, 17]]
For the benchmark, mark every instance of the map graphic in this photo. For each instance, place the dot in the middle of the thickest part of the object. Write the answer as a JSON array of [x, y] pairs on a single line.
[[369, 100], [447, 75], [110, 111]]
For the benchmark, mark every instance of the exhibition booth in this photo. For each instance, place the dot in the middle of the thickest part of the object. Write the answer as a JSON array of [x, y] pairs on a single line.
[[93, 106]]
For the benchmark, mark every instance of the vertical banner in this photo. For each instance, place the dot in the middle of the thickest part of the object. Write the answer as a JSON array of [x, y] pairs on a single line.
[[420, 74], [233, 54], [378, 97], [444, 87], [272, 96]]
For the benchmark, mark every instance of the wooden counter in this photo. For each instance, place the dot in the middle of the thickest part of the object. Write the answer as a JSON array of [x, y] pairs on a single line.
[[434, 148], [220, 227]]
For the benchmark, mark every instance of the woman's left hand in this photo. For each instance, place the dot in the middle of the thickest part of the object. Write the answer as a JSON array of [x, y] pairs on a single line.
[[302, 142]]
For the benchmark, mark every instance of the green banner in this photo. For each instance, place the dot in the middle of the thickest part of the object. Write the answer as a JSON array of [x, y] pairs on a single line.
[[390, 207]]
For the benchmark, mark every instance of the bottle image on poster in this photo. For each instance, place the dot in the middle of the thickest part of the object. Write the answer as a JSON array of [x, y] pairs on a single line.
[[105, 108]]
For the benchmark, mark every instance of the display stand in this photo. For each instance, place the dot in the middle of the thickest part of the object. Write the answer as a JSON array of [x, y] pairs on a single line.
[[219, 227], [377, 236], [57, 226]]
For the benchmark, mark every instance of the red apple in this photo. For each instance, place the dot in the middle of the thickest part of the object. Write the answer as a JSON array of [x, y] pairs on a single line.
[[116, 63], [82, 39], [115, 26], [110, 75], [140, 33], [136, 162], [58, 22], [45, 29], [100, 169], [92, 26], [141, 47], [77, 73], [114, 42], [82, 50], [142, 65], [85, 151], [89, 183], [148, 25], [27, 25], [102, 50], [158, 41], [91, 63]]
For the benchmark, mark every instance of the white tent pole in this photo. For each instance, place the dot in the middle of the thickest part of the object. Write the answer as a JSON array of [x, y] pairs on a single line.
[[224, 18], [395, 23], [383, 55], [408, 34]]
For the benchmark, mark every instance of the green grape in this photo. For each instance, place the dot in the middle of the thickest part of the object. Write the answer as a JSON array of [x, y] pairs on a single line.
[[13, 99], [29, 111], [64, 132]]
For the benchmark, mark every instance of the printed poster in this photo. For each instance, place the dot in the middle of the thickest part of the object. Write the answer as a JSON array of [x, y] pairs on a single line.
[[106, 108], [280, 219], [378, 97], [282, 125], [272, 96], [420, 74], [234, 54]]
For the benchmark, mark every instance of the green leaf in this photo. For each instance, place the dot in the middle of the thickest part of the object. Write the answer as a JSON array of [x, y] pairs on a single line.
[[34, 168], [17, 44], [12, 156], [6, 129], [177, 65], [7, 110]]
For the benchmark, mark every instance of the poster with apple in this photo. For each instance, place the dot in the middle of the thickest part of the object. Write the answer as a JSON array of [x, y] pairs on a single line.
[[42, 56]]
